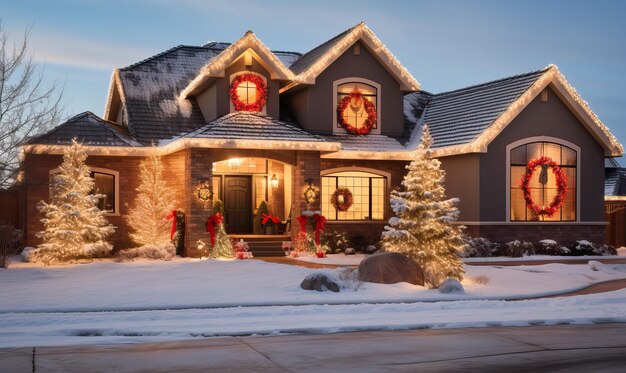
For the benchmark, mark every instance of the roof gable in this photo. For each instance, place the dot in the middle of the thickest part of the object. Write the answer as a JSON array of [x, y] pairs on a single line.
[[249, 43], [314, 62], [469, 119]]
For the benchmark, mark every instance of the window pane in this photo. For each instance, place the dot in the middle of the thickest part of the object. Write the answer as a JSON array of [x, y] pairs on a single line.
[[569, 156], [105, 184], [260, 190], [535, 150], [552, 151], [516, 175], [569, 205], [518, 204], [518, 155], [217, 187]]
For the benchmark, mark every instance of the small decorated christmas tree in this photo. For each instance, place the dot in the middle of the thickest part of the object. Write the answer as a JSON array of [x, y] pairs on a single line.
[[223, 247], [422, 228], [154, 201], [74, 225]]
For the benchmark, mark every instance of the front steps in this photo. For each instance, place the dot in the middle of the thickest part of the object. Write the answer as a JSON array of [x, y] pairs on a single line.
[[264, 245]]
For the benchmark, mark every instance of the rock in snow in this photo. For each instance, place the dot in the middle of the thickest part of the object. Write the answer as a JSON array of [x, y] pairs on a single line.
[[349, 251], [390, 268], [320, 281], [451, 285]]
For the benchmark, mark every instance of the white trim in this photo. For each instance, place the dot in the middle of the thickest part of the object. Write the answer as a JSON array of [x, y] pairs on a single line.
[[377, 86], [359, 155], [523, 223], [374, 171], [115, 83], [534, 139], [230, 83], [116, 190]]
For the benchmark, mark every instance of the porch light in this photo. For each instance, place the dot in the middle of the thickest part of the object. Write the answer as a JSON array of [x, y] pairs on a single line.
[[274, 181]]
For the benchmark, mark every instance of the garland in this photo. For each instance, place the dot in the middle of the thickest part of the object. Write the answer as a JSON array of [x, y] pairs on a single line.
[[369, 123], [561, 184], [261, 93], [347, 199]]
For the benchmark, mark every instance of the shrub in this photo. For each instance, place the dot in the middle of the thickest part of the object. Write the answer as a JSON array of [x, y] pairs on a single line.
[[263, 209], [478, 247], [164, 251], [584, 247], [550, 247], [336, 241], [604, 249], [480, 279], [516, 249], [9, 244]]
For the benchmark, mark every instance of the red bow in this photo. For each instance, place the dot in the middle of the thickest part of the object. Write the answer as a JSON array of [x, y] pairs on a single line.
[[303, 220], [172, 215], [212, 222], [267, 217], [320, 222]]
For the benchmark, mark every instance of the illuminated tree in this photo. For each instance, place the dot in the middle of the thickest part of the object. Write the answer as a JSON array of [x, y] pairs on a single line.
[[422, 228], [74, 225], [155, 199]]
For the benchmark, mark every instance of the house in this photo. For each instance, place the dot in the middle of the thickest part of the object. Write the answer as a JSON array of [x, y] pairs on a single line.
[[247, 124], [615, 202]]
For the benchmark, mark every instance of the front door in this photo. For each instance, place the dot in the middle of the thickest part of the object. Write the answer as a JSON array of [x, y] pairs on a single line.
[[237, 198]]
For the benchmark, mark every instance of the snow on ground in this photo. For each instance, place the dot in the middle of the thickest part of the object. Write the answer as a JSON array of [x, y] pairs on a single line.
[[335, 259], [184, 298]]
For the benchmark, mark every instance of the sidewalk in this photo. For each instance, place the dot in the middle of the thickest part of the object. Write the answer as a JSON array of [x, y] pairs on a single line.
[[541, 348]]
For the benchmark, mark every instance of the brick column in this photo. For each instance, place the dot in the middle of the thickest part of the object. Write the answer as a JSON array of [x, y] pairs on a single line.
[[307, 167], [199, 168]]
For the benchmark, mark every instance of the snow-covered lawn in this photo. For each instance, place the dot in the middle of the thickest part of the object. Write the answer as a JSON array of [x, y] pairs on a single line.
[[164, 300]]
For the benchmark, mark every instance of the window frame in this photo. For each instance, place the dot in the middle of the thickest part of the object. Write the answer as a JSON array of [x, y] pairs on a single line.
[[106, 171], [541, 139], [230, 84], [375, 173], [338, 129]]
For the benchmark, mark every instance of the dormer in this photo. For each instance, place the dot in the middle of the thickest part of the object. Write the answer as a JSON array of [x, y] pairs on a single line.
[[115, 108], [246, 76]]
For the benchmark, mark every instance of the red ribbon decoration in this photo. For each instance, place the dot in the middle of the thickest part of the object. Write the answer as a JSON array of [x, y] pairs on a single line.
[[303, 220], [212, 222], [320, 222], [267, 217], [172, 215]]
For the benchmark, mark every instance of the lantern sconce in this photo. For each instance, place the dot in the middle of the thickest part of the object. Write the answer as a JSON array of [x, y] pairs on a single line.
[[274, 182]]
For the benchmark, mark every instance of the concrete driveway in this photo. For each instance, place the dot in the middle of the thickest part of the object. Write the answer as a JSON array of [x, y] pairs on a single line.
[[571, 348]]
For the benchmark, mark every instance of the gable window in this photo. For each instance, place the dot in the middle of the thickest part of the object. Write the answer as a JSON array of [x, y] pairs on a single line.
[[368, 195], [543, 185], [248, 92], [357, 106]]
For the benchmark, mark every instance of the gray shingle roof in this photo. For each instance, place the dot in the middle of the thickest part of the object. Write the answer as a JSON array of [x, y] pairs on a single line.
[[370, 143], [310, 57], [242, 125], [152, 87], [88, 129], [614, 181], [458, 117]]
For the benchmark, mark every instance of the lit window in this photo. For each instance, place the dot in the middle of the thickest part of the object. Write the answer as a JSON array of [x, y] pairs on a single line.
[[542, 190], [104, 184], [246, 92], [355, 113], [368, 194]]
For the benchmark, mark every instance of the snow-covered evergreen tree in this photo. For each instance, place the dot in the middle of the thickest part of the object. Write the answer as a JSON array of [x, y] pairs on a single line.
[[154, 201], [422, 228], [223, 247], [74, 225]]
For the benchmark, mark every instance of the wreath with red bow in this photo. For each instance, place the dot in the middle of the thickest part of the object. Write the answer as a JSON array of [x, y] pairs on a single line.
[[561, 185], [370, 109], [346, 196], [261, 93]]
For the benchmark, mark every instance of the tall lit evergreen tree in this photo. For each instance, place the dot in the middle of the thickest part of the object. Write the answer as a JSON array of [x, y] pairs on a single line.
[[72, 218], [422, 228], [154, 200]]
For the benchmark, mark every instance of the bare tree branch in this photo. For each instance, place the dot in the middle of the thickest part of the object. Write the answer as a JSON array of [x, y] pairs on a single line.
[[27, 108]]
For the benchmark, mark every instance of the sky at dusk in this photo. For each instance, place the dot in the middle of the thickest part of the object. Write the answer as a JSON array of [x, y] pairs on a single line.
[[444, 44]]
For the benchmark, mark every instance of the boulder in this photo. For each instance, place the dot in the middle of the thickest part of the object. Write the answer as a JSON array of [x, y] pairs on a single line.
[[390, 268], [349, 251], [371, 249], [451, 285], [319, 281]]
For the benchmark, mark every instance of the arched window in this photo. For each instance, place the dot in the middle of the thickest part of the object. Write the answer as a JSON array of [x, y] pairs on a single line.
[[248, 92], [351, 94], [368, 195], [543, 185]]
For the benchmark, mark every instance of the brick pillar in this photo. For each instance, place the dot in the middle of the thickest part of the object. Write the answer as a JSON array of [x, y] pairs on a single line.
[[307, 167], [199, 168]]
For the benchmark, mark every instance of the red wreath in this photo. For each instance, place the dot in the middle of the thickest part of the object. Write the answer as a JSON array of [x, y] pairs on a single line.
[[347, 199], [261, 93], [370, 109], [561, 185]]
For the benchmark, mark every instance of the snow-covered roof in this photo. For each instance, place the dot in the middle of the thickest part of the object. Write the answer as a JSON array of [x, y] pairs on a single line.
[[614, 182], [90, 130]]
